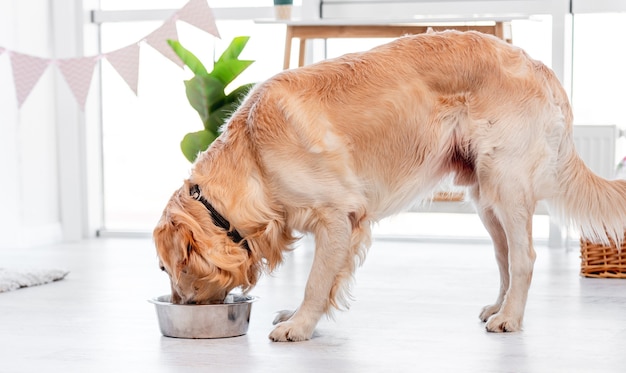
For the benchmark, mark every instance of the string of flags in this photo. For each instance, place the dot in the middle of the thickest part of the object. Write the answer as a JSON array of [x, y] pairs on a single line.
[[78, 72]]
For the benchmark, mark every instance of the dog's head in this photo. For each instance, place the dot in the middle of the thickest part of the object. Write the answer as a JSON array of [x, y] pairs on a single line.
[[203, 260]]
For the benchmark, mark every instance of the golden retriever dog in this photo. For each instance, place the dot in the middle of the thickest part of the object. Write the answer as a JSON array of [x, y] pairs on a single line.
[[332, 147]]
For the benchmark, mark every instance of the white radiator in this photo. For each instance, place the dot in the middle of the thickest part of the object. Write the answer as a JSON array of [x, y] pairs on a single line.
[[596, 146]]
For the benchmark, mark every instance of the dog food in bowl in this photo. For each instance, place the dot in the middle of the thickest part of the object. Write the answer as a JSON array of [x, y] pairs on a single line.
[[228, 319]]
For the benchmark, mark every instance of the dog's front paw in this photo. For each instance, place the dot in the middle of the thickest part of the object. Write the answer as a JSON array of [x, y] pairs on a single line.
[[488, 311], [500, 323], [283, 315], [290, 331]]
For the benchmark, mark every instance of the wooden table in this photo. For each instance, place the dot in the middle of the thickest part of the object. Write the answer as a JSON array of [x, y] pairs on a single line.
[[323, 29]]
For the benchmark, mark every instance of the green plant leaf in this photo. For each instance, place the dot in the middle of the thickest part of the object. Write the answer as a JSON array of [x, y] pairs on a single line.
[[203, 94], [228, 66], [227, 107], [206, 93], [218, 117], [226, 71], [188, 58], [195, 142], [239, 93], [234, 49]]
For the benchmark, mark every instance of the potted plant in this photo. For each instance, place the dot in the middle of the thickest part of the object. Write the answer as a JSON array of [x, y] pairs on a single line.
[[282, 9], [206, 92]]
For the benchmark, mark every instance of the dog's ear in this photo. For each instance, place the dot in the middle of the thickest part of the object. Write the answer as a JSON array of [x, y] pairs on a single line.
[[163, 241], [172, 235], [168, 238], [208, 251]]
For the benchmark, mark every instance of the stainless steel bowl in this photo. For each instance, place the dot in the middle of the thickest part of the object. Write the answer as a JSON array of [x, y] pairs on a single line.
[[228, 319]]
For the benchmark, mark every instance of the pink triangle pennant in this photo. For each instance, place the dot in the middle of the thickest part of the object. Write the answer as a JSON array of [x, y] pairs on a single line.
[[158, 40], [78, 73], [27, 70], [197, 13], [126, 62]]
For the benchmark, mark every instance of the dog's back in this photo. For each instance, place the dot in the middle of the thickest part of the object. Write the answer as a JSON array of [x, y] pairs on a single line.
[[381, 128]]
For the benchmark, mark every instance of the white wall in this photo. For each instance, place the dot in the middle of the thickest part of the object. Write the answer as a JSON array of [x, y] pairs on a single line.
[[29, 186]]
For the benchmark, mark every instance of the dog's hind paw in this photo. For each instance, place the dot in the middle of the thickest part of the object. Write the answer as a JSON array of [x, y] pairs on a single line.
[[499, 323], [290, 331], [282, 316]]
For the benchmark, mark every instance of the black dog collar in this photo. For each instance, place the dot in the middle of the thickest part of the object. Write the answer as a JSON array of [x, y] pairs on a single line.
[[218, 219]]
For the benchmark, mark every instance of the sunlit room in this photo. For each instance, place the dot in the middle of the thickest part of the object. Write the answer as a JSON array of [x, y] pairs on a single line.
[[312, 185]]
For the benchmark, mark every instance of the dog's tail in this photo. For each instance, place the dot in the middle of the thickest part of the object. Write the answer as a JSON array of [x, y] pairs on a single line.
[[593, 205]]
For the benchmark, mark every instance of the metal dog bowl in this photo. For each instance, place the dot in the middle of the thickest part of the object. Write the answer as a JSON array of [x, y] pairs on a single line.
[[228, 319]]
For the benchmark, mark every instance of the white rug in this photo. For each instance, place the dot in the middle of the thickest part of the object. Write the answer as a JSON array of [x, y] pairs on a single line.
[[16, 279]]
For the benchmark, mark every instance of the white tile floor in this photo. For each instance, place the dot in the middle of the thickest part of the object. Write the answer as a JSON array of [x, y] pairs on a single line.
[[415, 309]]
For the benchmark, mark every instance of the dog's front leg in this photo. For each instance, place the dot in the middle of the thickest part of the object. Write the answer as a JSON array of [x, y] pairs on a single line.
[[332, 242]]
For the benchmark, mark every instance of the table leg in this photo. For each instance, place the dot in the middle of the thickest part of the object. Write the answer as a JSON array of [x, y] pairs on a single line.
[[301, 52], [288, 40], [502, 31]]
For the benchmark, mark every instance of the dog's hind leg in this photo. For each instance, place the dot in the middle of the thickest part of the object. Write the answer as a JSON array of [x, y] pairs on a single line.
[[521, 257], [495, 230], [506, 198], [332, 232], [513, 207]]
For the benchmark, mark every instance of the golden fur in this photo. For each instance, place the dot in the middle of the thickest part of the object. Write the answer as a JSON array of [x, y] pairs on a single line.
[[332, 147]]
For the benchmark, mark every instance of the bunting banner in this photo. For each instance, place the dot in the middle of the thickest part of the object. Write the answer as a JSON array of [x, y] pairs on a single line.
[[158, 40], [198, 14], [126, 62], [26, 73], [78, 72]]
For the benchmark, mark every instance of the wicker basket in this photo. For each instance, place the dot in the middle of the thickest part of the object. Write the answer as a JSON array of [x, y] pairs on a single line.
[[601, 261]]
